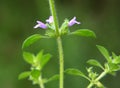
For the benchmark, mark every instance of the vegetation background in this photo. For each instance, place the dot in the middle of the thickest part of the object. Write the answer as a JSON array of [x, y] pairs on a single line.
[[17, 18]]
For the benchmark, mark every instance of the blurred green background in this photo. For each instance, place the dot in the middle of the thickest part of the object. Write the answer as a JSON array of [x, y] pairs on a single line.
[[17, 18]]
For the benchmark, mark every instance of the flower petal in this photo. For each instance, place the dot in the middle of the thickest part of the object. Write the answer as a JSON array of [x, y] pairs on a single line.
[[36, 26], [73, 21], [50, 20], [41, 25]]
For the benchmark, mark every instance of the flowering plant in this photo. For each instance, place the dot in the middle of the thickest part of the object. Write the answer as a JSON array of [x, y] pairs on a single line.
[[52, 30]]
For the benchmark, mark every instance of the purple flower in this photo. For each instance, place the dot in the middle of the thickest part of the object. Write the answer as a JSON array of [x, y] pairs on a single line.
[[40, 25], [50, 20], [73, 21], [43, 25]]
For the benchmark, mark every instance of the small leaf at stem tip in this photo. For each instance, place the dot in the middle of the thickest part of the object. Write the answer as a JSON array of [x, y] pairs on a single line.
[[75, 72], [35, 74], [84, 33], [116, 59], [45, 59], [24, 75], [55, 77], [28, 57], [104, 52], [114, 55], [30, 40], [113, 67], [95, 63], [39, 56]]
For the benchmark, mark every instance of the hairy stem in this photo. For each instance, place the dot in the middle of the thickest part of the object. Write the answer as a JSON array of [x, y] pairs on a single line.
[[41, 84], [61, 61], [53, 12], [59, 42]]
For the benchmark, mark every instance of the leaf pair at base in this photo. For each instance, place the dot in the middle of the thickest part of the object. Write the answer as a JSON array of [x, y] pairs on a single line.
[[35, 75], [33, 38], [38, 61]]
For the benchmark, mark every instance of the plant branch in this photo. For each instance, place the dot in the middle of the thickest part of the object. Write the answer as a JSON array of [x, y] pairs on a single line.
[[97, 80], [101, 76], [90, 85]]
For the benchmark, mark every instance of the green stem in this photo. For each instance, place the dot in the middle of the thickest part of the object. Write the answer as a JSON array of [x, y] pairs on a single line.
[[59, 42], [97, 79], [41, 84], [61, 61], [90, 85], [101, 76], [100, 85], [53, 12]]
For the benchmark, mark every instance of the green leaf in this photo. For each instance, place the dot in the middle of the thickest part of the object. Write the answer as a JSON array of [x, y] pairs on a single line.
[[113, 67], [113, 73], [35, 74], [30, 40], [38, 59], [45, 59], [75, 72], [55, 77], [84, 33], [116, 59], [91, 73], [104, 52], [114, 55], [90, 69], [28, 57], [39, 55], [94, 63], [24, 75]]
